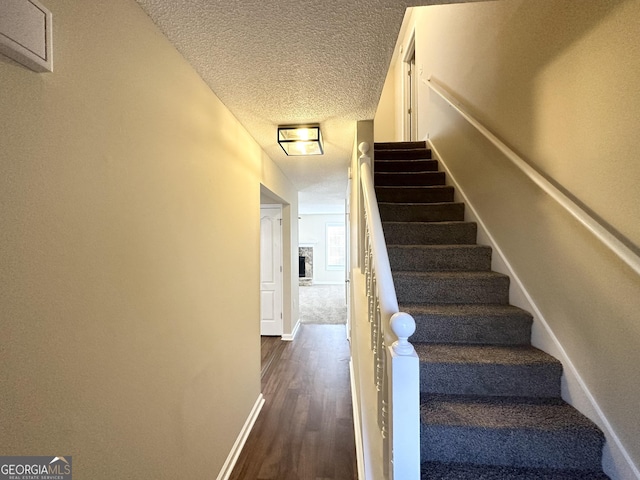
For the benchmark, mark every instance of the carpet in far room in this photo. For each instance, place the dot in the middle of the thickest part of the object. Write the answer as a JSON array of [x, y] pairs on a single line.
[[323, 304]]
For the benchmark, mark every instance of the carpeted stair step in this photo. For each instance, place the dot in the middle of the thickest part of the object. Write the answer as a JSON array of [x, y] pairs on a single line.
[[451, 287], [429, 233], [398, 145], [435, 193], [467, 471], [421, 212], [421, 165], [402, 154], [513, 432], [490, 402], [492, 370], [418, 179], [426, 258], [470, 324]]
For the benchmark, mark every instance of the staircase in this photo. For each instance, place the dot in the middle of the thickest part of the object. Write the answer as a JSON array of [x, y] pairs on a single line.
[[490, 402]]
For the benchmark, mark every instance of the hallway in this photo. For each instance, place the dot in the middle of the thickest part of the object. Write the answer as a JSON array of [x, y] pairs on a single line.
[[305, 429]]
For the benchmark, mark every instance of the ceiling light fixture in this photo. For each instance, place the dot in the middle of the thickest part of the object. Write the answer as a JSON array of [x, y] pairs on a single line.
[[301, 140]]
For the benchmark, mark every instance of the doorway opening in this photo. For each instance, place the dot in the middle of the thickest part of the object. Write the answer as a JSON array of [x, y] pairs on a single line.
[[322, 252]]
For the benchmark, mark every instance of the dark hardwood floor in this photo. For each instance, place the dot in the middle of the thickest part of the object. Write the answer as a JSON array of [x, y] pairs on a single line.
[[305, 429]]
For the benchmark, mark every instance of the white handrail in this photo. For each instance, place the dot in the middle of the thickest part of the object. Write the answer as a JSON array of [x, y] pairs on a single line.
[[627, 255], [386, 289], [397, 376]]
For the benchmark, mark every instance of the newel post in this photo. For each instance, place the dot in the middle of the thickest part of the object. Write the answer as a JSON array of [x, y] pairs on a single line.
[[404, 380]]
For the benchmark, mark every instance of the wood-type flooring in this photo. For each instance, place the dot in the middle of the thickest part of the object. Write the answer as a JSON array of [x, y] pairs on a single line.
[[305, 429]]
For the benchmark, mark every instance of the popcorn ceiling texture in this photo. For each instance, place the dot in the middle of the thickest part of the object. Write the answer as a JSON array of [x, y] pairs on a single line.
[[291, 61]]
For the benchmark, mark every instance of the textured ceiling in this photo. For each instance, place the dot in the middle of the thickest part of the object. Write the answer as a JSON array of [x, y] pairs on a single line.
[[291, 61]]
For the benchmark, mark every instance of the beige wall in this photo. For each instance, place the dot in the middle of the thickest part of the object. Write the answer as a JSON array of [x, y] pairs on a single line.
[[385, 120], [558, 82], [129, 205]]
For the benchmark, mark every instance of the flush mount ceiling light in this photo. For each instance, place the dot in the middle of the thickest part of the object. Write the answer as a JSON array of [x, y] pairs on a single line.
[[301, 140]]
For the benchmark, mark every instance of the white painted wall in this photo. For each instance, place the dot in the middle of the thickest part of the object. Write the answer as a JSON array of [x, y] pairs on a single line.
[[313, 233]]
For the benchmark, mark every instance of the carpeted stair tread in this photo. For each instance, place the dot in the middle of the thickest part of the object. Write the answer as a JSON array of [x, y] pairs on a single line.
[[451, 287], [411, 165], [467, 471], [399, 145], [429, 233], [402, 153], [433, 193], [439, 257], [494, 370], [490, 402], [418, 179], [421, 212], [502, 412], [485, 355], [470, 324], [509, 431]]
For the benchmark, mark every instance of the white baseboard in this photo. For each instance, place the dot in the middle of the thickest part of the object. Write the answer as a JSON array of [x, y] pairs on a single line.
[[288, 337], [357, 422], [616, 461], [231, 460]]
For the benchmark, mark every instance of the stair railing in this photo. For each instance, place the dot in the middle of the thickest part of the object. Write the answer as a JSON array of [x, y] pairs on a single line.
[[396, 364]]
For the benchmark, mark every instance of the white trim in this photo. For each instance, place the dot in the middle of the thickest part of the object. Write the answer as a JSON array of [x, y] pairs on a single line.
[[288, 337], [231, 460], [357, 422], [409, 90], [584, 401], [627, 255]]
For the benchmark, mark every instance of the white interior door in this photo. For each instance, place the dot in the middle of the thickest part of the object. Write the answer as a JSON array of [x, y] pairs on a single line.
[[271, 270]]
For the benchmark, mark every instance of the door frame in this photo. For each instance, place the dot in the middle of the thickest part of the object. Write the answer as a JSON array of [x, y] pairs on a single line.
[[410, 91]]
